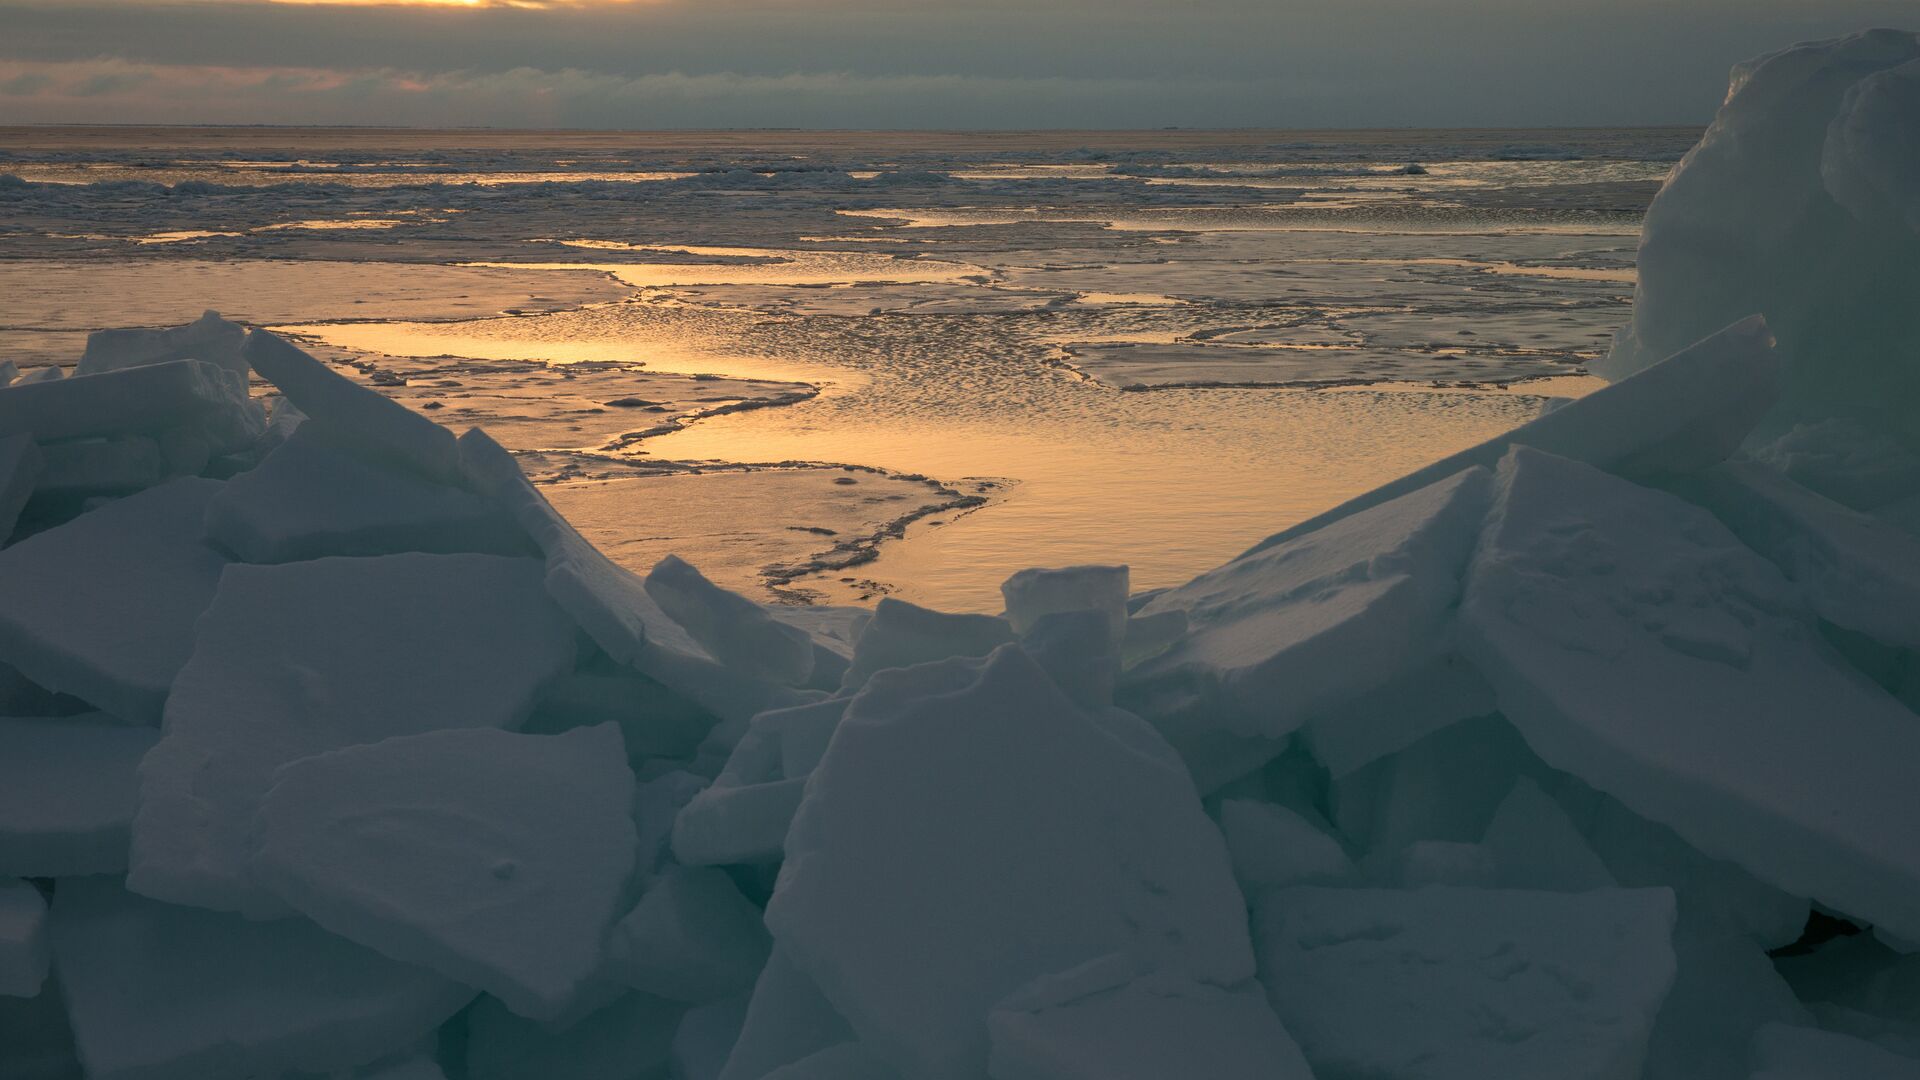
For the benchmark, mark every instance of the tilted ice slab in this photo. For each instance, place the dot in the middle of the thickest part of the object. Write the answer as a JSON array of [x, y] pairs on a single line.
[[611, 603], [1638, 645], [1106, 1021], [67, 793], [692, 937], [209, 338], [158, 992], [103, 607], [494, 858], [1464, 984], [362, 417], [1680, 415], [313, 497], [1278, 634], [150, 398], [737, 632], [1857, 571], [301, 658], [969, 830], [20, 464]]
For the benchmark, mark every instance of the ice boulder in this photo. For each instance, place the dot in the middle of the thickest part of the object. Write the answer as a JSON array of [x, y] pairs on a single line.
[[1273, 636], [314, 496], [302, 658], [103, 607], [23, 938], [1783, 1052], [1797, 204], [67, 793], [902, 634], [692, 938], [20, 463], [969, 830], [360, 416], [494, 858], [733, 629], [1681, 415], [158, 992], [1105, 1020], [1464, 984], [209, 338], [1031, 594], [135, 400], [1635, 643]]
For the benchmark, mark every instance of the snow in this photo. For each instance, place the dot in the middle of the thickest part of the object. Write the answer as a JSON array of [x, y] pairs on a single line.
[[210, 339], [1269, 633], [1783, 1052], [1467, 983], [67, 794], [104, 606], [23, 939], [286, 664], [378, 426], [1581, 576], [494, 858], [737, 632], [1106, 1021], [158, 992], [970, 829], [313, 497], [692, 938]]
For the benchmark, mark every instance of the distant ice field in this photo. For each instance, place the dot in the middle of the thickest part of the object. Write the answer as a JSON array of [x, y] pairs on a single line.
[[1043, 348]]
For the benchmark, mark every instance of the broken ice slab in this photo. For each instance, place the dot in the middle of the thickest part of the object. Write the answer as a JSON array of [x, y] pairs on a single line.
[[158, 992], [903, 634], [1397, 714], [733, 629], [301, 658], [93, 466], [1107, 1020], [1680, 415], [494, 858], [314, 496], [1638, 645], [786, 1020], [969, 830], [1033, 594], [1460, 983], [20, 464], [625, 1040], [1534, 846], [1857, 571], [364, 418], [692, 938], [1783, 1052], [67, 794], [135, 400], [104, 606], [1272, 847], [1276, 636], [610, 603], [210, 339], [23, 938]]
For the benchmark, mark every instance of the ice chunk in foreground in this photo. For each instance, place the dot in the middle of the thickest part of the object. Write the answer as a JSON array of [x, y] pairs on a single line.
[[733, 629], [20, 464], [1106, 1021], [314, 497], [494, 858], [90, 466], [301, 658], [1781, 1052], [104, 607], [209, 338], [136, 400], [1534, 846], [691, 938], [1635, 643], [901, 634], [1466, 984], [23, 939], [969, 830], [158, 992], [786, 1020], [360, 416], [1857, 572], [1681, 415], [1276, 636], [1031, 594], [67, 792]]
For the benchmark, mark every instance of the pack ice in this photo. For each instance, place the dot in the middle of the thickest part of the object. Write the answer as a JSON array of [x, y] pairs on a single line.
[[329, 748]]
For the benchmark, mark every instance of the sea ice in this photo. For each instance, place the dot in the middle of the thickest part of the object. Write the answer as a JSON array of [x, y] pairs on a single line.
[[1272, 847], [135, 400], [846, 1061], [23, 938], [288, 663], [158, 992], [786, 1020], [692, 938], [970, 830], [104, 606], [1783, 1052], [1466, 984], [902, 634], [1736, 727], [20, 464], [313, 496], [1534, 846], [79, 467], [1272, 635], [1031, 594], [626, 1040], [210, 339], [1397, 714], [494, 858], [67, 793], [736, 631]]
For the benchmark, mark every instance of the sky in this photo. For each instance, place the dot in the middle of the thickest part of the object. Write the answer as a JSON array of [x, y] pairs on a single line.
[[651, 64]]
